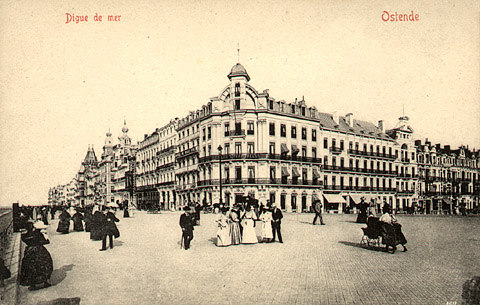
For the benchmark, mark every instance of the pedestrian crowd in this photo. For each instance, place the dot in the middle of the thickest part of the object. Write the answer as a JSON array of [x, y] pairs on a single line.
[[37, 264], [236, 225]]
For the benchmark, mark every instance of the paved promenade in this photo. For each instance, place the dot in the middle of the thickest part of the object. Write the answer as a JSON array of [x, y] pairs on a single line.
[[314, 265]]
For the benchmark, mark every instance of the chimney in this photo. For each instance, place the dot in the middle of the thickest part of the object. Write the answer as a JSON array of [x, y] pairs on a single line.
[[349, 119], [437, 146], [447, 147], [418, 143], [145, 136], [335, 117], [427, 142], [381, 126]]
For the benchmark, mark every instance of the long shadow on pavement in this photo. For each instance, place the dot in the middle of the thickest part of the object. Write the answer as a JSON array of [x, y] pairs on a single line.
[[62, 301], [117, 243], [357, 245], [213, 240], [349, 243], [58, 275]]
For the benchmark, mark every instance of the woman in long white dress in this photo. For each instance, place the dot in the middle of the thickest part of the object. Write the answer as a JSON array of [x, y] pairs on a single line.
[[235, 226], [249, 236], [223, 232], [266, 218]]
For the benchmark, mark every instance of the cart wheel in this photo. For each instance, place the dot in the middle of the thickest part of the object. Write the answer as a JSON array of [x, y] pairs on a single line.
[[364, 242]]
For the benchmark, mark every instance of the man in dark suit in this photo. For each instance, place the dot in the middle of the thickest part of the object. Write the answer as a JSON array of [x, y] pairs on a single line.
[[277, 220], [186, 223], [318, 212]]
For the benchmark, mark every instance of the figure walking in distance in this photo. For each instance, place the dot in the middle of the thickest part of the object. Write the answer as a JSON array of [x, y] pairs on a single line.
[[318, 212], [186, 223]]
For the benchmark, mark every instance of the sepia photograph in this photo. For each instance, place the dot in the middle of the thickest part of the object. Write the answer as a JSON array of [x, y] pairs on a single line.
[[245, 152]]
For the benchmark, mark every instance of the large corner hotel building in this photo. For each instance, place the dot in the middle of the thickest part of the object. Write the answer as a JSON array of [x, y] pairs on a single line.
[[244, 142]]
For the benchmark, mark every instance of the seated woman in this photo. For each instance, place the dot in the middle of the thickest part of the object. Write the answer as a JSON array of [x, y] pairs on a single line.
[[393, 230]]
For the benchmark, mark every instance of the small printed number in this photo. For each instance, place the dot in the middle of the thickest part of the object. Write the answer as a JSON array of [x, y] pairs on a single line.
[[452, 303]]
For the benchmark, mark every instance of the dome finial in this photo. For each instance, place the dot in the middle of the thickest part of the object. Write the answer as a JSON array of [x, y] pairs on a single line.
[[238, 70], [238, 51]]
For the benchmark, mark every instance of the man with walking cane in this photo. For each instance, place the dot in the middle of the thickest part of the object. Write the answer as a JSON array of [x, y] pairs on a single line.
[[186, 223]]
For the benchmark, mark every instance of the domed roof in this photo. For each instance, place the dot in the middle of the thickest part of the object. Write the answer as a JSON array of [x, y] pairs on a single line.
[[238, 70]]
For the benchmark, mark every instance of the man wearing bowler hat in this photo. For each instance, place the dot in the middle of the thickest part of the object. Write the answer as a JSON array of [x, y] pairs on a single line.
[[186, 223], [276, 223]]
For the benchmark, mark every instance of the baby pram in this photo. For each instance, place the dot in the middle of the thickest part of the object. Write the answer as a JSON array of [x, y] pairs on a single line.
[[377, 233]]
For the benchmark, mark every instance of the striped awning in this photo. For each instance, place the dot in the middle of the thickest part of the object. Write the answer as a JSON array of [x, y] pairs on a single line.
[[284, 148], [285, 172], [447, 200], [295, 172], [334, 198], [295, 149], [316, 174], [357, 198]]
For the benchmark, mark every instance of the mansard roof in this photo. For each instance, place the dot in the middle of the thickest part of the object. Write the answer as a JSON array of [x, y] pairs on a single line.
[[359, 127]]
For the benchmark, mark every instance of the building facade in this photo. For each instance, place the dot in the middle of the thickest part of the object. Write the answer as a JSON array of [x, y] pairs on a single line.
[[244, 142], [449, 179]]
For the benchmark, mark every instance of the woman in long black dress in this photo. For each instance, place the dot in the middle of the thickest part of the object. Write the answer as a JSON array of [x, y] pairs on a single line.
[[77, 221], [96, 232], [37, 263], [362, 216], [64, 222], [87, 218]]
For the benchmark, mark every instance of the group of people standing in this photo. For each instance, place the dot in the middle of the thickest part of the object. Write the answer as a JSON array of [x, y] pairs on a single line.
[[99, 221], [237, 225], [37, 263]]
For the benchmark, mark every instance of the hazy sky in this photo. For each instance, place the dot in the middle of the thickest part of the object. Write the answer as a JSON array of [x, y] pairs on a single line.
[[62, 86]]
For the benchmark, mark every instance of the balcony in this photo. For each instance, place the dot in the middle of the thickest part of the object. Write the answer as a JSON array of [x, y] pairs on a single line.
[[260, 181], [371, 154], [336, 150], [235, 133], [185, 153], [358, 188], [406, 192]]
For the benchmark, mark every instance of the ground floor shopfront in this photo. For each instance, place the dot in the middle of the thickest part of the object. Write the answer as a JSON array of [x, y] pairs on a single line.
[[156, 198], [294, 198]]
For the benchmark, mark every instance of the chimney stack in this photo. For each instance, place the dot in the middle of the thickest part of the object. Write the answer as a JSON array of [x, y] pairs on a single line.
[[438, 146], [381, 126], [335, 117], [418, 143], [349, 119], [447, 147], [145, 136]]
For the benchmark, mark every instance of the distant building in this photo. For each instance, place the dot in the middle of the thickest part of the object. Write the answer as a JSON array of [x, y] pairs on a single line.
[[87, 179], [155, 171], [449, 179]]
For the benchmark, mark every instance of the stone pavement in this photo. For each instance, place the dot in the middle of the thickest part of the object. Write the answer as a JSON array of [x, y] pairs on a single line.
[[314, 265]]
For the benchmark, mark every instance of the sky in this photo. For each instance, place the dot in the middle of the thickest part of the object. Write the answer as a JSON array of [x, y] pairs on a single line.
[[64, 85]]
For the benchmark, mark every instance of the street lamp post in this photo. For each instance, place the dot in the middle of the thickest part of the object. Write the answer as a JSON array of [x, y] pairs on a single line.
[[220, 170]]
